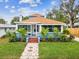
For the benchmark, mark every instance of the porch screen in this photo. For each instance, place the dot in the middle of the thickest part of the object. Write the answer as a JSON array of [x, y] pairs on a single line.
[[27, 27], [51, 27]]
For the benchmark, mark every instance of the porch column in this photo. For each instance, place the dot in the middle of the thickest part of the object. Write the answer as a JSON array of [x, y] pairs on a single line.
[[40, 28], [16, 27], [61, 28], [31, 29], [36, 29]]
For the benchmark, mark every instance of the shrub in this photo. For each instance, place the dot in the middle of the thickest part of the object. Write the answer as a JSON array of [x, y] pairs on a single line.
[[23, 32], [65, 38], [50, 38], [12, 36], [56, 34], [66, 32], [44, 33]]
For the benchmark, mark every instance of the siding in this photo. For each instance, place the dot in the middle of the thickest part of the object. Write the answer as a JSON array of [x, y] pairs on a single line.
[[2, 32]]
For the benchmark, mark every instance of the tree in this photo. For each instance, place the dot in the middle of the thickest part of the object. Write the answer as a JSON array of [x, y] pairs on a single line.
[[15, 19], [57, 15], [2, 21], [25, 18], [70, 10]]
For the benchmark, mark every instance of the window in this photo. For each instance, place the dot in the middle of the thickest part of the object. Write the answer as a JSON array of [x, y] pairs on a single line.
[[58, 26], [27, 27], [51, 27]]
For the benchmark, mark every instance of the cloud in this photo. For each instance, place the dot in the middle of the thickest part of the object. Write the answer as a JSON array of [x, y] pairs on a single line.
[[6, 0], [25, 1], [53, 2], [6, 6], [27, 11], [12, 6], [12, 11], [32, 3], [22, 10]]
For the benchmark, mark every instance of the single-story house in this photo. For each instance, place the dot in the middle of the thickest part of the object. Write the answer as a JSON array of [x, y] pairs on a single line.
[[35, 23], [6, 27]]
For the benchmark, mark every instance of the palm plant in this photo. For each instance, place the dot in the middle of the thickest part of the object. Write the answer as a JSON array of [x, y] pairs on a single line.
[[44, 33], [23, 32]]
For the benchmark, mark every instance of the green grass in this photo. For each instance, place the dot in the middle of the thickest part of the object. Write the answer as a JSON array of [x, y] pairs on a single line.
[[10, 50], [59, 50]]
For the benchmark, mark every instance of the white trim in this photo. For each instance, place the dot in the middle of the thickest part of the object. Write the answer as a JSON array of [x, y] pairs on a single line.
[[61, 29], [38, 23], [53, 24], [40, 28]]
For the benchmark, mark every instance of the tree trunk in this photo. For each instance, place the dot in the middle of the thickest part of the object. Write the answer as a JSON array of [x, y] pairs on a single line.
[[71, 24]]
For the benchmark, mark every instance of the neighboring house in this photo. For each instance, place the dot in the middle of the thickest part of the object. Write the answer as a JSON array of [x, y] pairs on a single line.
[[6, 27], [35, 23], [76, 24]]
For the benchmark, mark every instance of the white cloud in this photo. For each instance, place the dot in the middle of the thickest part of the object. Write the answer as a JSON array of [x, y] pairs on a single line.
[[32, 3], [26, 11], [25, 1], [6, 6], [22, 10], [6, 0], [13, 7], [12, 11], [53, 2]]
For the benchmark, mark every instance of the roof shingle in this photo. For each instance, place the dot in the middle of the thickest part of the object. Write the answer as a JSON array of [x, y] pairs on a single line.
[[42, 20]]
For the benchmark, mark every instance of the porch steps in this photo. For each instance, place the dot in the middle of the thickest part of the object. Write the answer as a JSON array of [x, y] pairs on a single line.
[[33, 40]]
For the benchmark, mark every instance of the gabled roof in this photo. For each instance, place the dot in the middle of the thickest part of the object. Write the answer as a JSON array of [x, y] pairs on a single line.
[[42, 20]]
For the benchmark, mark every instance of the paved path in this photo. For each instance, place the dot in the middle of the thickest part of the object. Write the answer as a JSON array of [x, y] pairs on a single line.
[[30, 52], [76, 39]]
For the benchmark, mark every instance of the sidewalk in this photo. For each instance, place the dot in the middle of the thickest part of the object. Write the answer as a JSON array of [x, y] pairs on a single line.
[[30, 52], [76, 39]]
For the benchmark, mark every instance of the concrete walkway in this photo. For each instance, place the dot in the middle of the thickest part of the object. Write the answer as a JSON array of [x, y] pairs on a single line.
[[76, 39], [30, 52]]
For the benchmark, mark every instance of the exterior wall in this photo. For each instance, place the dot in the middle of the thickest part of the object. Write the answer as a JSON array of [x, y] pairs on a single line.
[[40, 28], [2, 32]]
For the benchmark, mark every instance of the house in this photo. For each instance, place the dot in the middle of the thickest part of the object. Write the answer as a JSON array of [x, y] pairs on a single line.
[[6, 27], [35, 23]]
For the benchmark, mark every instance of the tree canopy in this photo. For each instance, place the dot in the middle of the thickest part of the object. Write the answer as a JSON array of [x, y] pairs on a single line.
[[2, 21], [17, 19], [68, 12]]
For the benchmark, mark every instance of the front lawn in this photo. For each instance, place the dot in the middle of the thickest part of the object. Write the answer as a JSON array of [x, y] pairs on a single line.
[[11, 50], [59, 50]]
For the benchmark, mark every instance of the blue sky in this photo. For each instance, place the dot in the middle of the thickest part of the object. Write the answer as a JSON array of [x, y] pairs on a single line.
[[11, 8]]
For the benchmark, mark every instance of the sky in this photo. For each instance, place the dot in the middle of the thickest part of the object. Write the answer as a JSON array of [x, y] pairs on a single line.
[[11, 8]]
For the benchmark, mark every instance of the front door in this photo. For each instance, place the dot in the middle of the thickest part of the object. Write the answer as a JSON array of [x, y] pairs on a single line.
[[35, 29]]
